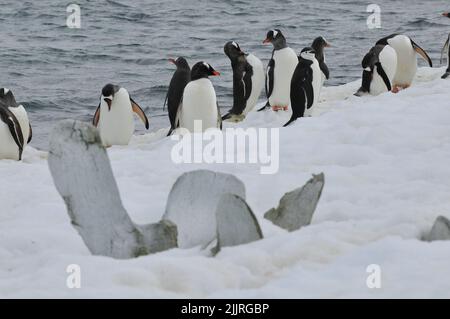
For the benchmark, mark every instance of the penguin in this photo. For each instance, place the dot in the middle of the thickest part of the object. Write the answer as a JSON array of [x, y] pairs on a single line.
[[114, 116], [15, 128], [445, 49], [199, 101], [179, 80], [248, 81], [279, 71], [406, 59], [305, 85], [380, 66], [318, 45]]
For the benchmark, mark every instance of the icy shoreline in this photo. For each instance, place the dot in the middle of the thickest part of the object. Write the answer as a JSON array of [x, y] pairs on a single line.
[[386, 161]]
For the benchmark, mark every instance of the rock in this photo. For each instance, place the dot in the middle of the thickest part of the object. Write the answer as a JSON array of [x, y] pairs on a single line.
[[236, 223], [192, 205], [82, 175], [296, 208], [440, 230]]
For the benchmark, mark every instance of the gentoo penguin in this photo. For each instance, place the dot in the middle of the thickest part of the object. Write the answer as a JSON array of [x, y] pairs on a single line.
[[114, 116], [248, 81], [445, 49], [180, 79], [305, 85], [406, 59], [379, 65], [199, 100], [318, 45], [15, 128], [279, 71]]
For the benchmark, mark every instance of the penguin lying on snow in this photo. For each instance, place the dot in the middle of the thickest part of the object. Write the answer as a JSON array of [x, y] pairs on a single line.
[[406, 59], [380, 66], [305, 85], [15, 128], [180, 79], [279, 71], [318, 45], [199, 100], [248, 81], [445, 49], [114, 116]]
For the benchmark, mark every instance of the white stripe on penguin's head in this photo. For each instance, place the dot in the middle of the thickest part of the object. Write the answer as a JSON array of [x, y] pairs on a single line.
[[275, 33]]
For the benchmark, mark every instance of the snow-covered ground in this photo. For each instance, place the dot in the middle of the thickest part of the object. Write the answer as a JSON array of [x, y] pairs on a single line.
[[386, 161]]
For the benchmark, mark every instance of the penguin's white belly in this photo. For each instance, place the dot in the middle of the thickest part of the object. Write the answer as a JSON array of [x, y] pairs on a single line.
[[406, 60], [388, 59], [257, 82], [316, 84], [285, 63], [8, 147], [199, 104], [117, 125]]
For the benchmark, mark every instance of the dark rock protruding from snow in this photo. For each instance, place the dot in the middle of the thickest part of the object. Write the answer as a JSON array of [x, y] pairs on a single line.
[[296, 208], [82, 175], [236, 223], [440, 230], [192, 204]]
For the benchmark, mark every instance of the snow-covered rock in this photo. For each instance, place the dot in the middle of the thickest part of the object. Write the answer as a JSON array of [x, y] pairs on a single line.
[[296, 208], [192, 204], [440, 230], [82, 174], [236, 223]]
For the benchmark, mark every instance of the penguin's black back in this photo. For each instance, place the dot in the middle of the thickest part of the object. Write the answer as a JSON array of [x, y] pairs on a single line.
[[180, 79]]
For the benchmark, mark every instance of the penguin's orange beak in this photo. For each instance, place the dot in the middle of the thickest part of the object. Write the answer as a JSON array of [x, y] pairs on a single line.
[[109, 102], [327, 45], [215, 73], [173, 61], [267, 41], [446, 14]]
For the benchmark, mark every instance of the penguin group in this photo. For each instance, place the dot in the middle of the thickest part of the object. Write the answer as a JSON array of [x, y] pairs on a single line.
[[289, 80]]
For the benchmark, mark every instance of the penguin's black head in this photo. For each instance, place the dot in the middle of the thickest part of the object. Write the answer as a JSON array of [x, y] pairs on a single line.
[[108, 93], [180, 62], [276, 38], [202, 70], [320, 43], [7, 98], [233, 50], [308, 53]]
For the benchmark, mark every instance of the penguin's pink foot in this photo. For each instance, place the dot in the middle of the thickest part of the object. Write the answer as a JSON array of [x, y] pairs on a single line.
[[395, 89], [276, 108], [285, 108]]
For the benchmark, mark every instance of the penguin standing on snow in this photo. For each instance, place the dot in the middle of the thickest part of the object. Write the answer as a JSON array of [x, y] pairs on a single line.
[[318, 45], [406, 59], [114, 116], [199, 101], [15, 128], [445, 49], [279, 71], [180, 79], [248, 81], [380, 66], [305, 85]]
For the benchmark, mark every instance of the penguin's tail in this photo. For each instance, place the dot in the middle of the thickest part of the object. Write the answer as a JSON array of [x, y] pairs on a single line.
[[170, 131], [446, 75], [293, 119], [264, 107], [227, 116]]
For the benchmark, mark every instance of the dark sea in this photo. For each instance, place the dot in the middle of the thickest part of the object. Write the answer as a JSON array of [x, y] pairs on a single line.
[[58, 72]]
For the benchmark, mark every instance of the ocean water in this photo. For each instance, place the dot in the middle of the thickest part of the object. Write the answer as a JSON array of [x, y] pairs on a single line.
[[58, 72]]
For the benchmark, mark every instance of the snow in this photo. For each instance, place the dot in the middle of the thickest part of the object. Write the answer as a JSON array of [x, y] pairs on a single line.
[[386, 165]]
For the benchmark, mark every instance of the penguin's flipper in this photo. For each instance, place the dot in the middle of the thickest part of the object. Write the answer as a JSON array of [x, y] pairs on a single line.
[[270, 78], [247, 80], [325, 70], [14, 127], [96, 116], [219, 117], [30, 135], [264, 107], [445, 49], [384, 76], [365, 86], [422, 53], [165, 101], [309, 90], [138, 110]]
